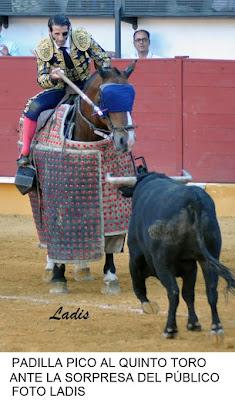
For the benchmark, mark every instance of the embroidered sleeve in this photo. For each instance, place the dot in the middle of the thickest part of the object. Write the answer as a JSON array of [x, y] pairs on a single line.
[[44, 79], [98, 54], [44, 54]]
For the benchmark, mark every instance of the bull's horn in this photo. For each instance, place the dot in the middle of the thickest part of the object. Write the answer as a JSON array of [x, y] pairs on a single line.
[[185, 178], [121, 180]]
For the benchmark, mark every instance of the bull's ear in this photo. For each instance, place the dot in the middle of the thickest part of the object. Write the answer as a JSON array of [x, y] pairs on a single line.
[[128, 71]]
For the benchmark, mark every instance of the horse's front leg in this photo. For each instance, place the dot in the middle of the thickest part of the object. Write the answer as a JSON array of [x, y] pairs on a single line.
[[111, 284]]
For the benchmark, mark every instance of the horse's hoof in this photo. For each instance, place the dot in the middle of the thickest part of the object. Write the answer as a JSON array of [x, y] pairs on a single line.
[[59, 288], [194, 327], [83, 275], [150, 307], [111, 287], [47, 275]]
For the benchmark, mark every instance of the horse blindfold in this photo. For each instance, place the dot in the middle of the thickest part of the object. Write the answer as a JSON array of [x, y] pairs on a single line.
[[116, 97]]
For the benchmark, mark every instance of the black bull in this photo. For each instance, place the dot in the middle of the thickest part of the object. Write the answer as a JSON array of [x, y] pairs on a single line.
[[171, 228]]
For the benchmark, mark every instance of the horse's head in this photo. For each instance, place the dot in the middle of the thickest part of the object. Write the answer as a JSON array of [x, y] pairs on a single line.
[[110, 90]]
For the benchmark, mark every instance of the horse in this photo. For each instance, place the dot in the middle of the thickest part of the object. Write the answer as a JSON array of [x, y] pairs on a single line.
[[108, 88]]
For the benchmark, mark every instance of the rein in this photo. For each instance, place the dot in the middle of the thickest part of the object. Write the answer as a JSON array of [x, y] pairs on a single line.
[[104, 133], [80, 92]]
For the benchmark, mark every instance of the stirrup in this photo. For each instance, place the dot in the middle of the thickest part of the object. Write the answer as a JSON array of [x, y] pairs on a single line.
[[23, 161]]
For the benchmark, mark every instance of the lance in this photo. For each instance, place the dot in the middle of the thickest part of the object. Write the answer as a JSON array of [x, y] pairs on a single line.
[[96, 109]]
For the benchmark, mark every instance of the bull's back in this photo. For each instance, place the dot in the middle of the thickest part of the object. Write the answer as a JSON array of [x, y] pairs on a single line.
[[161, 214], [154, 200]]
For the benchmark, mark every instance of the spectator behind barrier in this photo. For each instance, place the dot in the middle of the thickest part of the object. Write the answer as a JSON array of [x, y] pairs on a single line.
[[141, 42], [7, 47]]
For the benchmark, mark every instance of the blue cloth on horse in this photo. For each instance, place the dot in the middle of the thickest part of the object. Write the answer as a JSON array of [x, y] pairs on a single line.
[[117, 97]]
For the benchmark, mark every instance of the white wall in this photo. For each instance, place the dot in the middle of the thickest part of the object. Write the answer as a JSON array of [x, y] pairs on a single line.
[[27, 32], [195, 37]]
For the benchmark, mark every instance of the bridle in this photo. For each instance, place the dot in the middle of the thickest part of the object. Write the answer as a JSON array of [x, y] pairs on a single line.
[[104, 133]]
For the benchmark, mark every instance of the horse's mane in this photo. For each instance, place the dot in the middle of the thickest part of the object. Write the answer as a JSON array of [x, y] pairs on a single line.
[[90, 80], [94, 75]]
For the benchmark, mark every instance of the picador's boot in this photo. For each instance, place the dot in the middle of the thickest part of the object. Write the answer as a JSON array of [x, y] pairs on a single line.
[[23, 161]]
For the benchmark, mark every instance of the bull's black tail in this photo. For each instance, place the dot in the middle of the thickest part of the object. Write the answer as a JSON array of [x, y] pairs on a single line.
[[210, 261], [222, 270]]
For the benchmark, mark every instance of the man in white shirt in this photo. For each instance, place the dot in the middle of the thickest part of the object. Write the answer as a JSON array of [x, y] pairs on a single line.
[[7, 48], [141, 41]]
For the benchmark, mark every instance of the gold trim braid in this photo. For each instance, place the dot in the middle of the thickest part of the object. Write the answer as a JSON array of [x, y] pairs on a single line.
[[82, 39], [45, 49]]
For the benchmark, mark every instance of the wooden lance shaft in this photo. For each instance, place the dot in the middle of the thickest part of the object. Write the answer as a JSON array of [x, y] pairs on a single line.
[[80, 92]]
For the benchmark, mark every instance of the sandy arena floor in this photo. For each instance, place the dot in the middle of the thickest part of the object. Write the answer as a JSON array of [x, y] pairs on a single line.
[[116, 323]]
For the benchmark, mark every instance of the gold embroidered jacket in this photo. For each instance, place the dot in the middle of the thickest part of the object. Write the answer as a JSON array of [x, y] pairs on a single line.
[[82, 47]]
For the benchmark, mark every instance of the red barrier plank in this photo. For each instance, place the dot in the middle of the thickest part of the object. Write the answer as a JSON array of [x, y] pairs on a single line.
[[209, 120]]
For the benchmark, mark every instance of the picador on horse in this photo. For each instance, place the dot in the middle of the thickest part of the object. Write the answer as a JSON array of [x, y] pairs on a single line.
[[76, 213], [67, 50]]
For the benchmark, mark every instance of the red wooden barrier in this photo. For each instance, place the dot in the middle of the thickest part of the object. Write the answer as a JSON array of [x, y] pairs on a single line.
[[158, 113], [184, 109], [209, 119], [17, 84]]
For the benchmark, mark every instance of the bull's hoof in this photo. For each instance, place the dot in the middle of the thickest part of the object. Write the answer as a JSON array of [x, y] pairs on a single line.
[[47, 275], [150, 307], [218, 333], [83, 274], [59, 288], [194, 327], [111, 287], [170, 333]]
